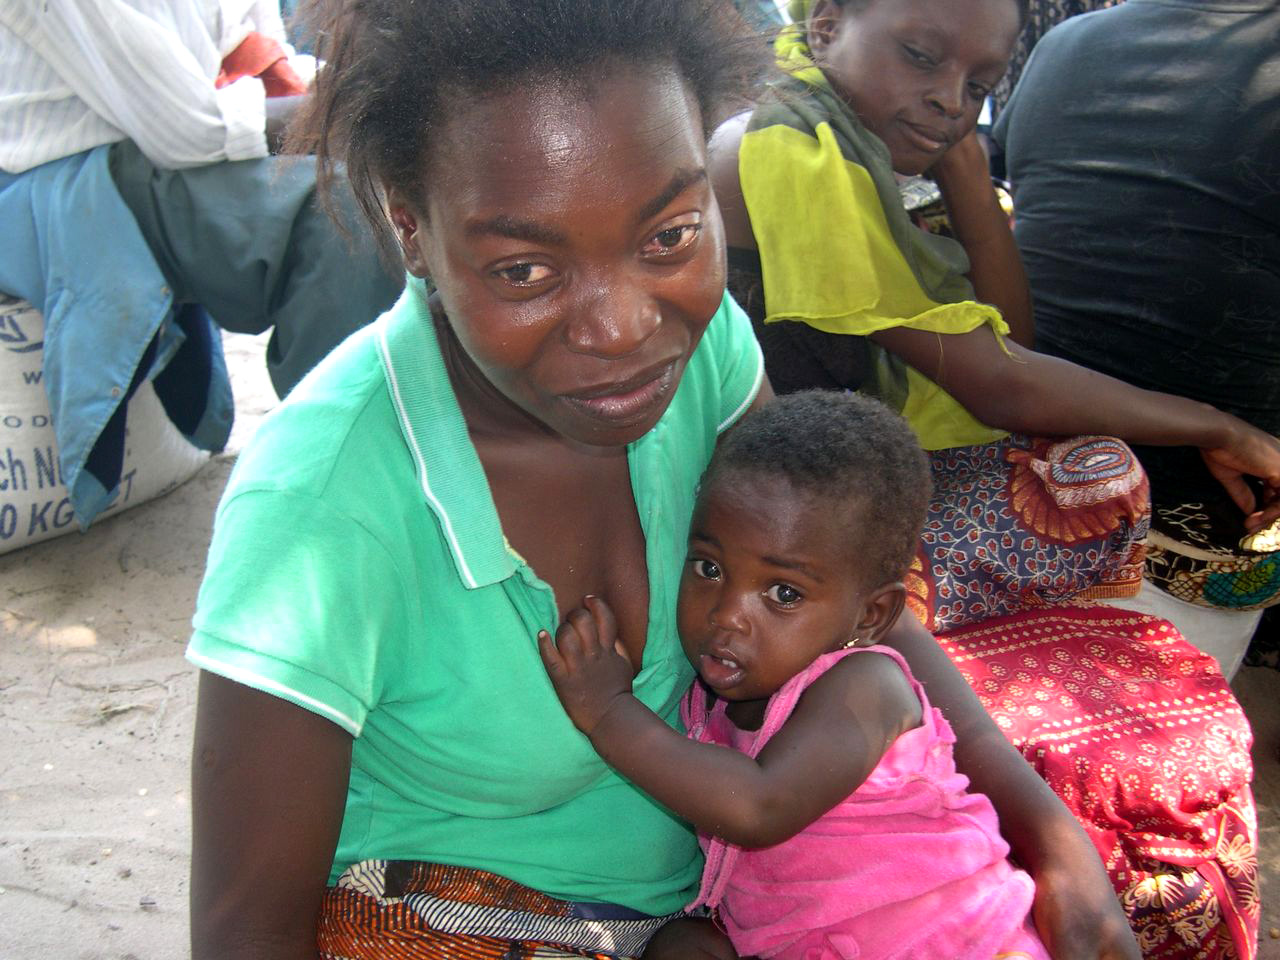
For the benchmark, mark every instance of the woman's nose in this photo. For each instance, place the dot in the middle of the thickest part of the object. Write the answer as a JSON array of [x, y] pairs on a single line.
[[615, 321], [947, 96]]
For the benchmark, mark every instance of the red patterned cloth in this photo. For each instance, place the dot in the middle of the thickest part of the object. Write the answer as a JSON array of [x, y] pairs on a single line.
[[1138, 733]]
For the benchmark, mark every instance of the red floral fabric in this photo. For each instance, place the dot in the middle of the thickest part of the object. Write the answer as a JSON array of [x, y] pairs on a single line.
[[1140, 736]]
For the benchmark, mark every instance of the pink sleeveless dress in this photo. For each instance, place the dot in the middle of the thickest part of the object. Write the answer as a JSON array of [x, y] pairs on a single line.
[[909, 865]]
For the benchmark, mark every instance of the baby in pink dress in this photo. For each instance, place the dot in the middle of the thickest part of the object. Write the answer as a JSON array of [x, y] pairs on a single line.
[[820, 779]]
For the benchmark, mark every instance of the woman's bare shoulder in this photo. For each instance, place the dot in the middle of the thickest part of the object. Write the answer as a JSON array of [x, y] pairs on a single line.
[[722, 167]]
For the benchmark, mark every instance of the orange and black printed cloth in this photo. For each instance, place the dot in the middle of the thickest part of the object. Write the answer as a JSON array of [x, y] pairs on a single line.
[[408, 910], [1138, 733], [1026, 522]]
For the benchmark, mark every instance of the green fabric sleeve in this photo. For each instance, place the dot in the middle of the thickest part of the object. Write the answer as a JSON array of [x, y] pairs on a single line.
[[297, 601]]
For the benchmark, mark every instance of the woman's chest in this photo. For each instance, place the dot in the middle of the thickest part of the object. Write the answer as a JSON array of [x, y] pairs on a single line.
[[577, 525], [467, 719]]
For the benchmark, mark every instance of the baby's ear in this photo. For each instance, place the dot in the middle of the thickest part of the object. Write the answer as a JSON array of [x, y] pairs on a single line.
[[881, 611]]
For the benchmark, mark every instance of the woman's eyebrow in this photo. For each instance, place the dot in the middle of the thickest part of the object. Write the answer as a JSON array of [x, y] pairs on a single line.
[[527, 230], [532, 232], [679, 183]]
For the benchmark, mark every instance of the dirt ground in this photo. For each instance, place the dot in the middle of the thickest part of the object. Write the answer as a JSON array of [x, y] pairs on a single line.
[[96, 710]]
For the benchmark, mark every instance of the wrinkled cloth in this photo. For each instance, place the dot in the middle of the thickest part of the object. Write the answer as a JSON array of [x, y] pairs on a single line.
[[109, 322], [1028, 522]]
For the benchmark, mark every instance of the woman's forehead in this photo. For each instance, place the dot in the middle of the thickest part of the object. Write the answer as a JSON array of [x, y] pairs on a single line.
[[557, 136]]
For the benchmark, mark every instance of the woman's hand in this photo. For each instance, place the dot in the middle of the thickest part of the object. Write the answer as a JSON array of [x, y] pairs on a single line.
[[1249, 453], [1078, 915], [587, 663], [964, 165]]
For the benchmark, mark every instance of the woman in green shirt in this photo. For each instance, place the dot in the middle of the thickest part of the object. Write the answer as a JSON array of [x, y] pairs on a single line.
[[379, 757]]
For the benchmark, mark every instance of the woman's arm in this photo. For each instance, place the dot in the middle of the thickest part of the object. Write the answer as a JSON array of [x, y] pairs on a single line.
[[831, 742], [1029, 392], [1076, 911], [982, 227], [268, 790]]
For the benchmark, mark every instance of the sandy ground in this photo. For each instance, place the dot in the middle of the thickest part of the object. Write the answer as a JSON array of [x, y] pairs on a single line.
[[96, 709]]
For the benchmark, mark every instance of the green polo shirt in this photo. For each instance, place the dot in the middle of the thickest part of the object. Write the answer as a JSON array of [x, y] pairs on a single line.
[[358, 569]]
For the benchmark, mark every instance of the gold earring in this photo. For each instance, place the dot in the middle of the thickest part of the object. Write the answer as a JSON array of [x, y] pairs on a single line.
[[852, 643]]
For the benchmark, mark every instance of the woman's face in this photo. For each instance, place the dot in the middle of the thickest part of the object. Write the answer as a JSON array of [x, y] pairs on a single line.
[[915, 71], [577, 248]]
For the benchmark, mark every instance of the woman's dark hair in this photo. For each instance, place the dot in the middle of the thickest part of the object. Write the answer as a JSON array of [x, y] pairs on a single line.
[[394, 69], [851, 456]]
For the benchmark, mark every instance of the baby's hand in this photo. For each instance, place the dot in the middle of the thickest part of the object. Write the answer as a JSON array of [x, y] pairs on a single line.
[[587, 663]]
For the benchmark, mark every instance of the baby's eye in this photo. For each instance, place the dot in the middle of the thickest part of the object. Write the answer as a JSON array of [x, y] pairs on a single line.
[[672, 240], [784, 594], [706, 569], [978, 91], [524, 274]]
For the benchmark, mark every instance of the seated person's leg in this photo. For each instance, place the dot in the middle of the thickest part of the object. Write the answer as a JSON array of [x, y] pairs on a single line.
[[248, 242]]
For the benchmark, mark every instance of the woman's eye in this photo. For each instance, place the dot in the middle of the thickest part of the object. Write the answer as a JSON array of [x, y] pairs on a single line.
[[784, 594], [524, 274], [672, 239], [918, 57], [706, 569]]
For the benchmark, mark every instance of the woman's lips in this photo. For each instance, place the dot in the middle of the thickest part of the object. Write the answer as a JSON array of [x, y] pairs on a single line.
[[719, 673], [925, 138], [630, 403]]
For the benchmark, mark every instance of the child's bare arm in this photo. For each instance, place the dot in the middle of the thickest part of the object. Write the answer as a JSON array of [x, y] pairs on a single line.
[[842, 726], [981, 226]]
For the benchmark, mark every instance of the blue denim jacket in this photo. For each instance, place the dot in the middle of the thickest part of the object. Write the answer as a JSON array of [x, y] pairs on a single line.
[[70, 247]]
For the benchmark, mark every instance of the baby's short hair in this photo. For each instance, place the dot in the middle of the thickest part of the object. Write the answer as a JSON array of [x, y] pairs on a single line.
[[844, 450]]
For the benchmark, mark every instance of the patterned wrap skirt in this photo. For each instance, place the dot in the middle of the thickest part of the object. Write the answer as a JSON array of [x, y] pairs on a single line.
[[408, 910], [1028, 522], [1139, 735]]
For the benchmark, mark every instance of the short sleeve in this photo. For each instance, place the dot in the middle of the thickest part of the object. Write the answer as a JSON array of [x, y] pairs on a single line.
[[738, 360], [298, 601]]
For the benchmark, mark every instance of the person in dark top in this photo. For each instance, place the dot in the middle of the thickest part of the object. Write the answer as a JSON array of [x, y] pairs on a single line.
[[1042, 16], [1143, 143]]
